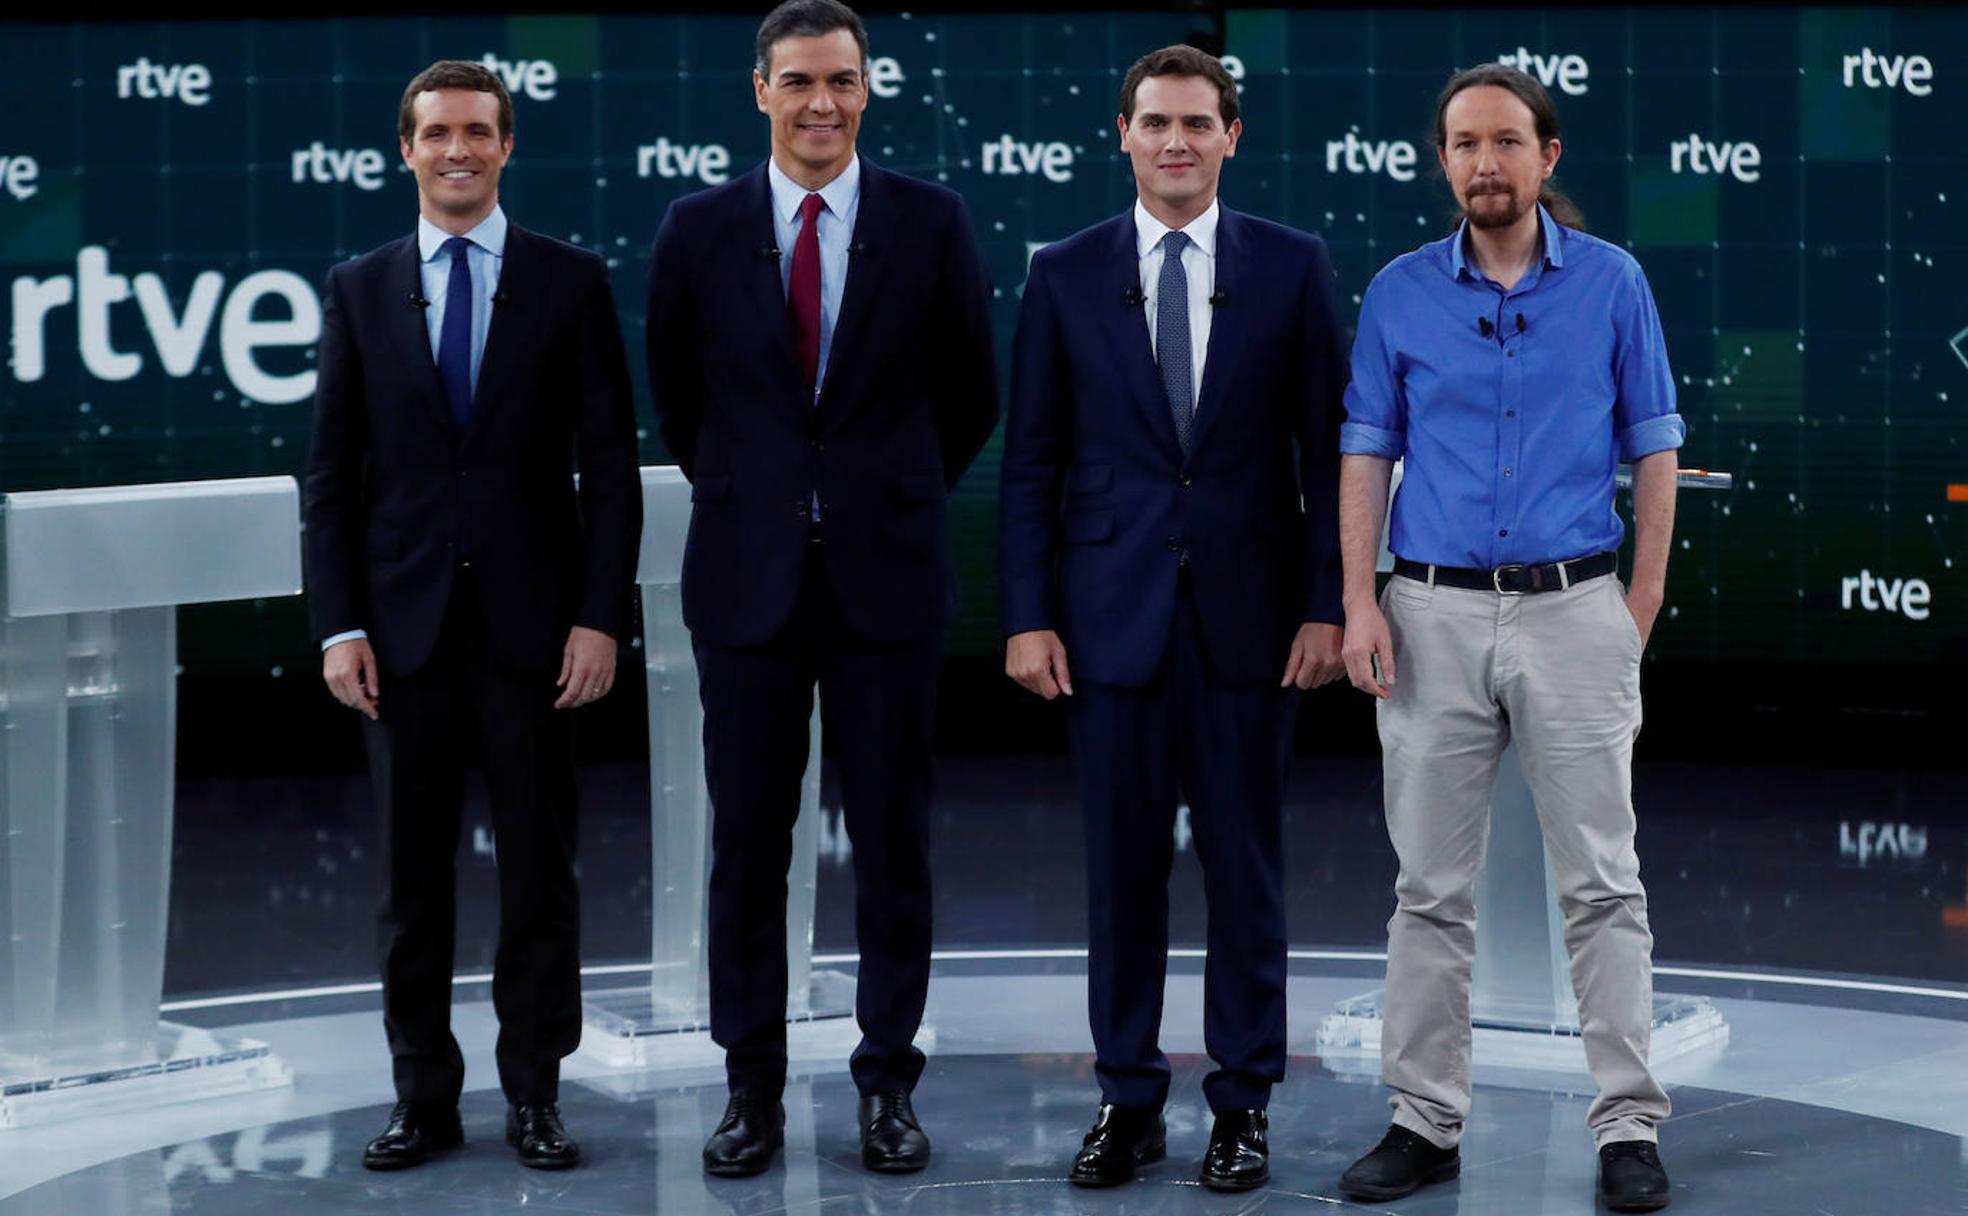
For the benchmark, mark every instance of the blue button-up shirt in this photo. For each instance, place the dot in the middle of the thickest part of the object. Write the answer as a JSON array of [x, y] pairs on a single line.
[[484, 256], [1510, 439]]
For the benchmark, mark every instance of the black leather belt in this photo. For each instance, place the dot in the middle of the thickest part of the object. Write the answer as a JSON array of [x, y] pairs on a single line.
[[1513, 579]]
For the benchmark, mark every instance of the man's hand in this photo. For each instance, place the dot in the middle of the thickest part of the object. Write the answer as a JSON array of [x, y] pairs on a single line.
[[1645, 605], [1314, 656], [349, 668], [1367, 636], [1037, 660], [587, 667]]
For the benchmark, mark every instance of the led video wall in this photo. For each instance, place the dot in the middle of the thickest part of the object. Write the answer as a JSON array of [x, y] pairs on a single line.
[[1792, 180]]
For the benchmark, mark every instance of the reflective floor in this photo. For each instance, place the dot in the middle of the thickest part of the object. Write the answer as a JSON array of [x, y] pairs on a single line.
[[1004, 1128]]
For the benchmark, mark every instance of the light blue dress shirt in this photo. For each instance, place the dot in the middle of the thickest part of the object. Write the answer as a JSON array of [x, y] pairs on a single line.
[[1509, 439], [487, 252], [836, 233]]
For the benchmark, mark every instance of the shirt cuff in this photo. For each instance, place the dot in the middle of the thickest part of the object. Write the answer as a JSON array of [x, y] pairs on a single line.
[[1359, 439], [339, 638], [1660, 433]]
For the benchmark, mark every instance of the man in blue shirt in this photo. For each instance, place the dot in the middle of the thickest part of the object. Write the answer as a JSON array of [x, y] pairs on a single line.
[[1510, 367]]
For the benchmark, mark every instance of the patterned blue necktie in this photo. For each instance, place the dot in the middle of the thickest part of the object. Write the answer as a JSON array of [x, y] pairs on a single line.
[[1172, 335], [454, 336]]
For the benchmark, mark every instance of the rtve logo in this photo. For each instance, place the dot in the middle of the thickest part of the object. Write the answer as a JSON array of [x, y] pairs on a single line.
[[1741, 161], [538, 79], [1010, 157], [1567, 72], [178, 337], [1897, 71], [188, 82], [319, 163], [1396, 157], [885, 77], [1908, 597], [20, 176], [708, 163]]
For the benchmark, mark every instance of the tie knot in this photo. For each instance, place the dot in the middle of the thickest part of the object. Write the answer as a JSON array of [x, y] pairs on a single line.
[[1174, 243], [810, 207], [455, 246]]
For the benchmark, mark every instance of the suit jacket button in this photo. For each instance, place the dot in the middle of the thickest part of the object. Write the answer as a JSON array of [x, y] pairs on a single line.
[[1175, 544], [1184, 480]]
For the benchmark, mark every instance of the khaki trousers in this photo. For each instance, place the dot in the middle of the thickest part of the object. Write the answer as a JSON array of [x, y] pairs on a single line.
[[1558, 672]]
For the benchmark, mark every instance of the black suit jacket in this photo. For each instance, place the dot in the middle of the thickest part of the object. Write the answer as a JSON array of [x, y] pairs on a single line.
[[909, 399], [1100, 507], [397, 498]]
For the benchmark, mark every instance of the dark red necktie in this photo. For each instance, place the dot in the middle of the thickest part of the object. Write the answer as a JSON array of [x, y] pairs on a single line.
[[803, 290]]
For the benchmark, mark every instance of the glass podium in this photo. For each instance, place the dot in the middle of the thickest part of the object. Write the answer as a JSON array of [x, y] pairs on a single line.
[[1522, 1005], [88, 733], [650, 1025]]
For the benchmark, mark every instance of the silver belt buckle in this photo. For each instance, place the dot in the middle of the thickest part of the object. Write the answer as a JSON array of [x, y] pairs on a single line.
[[1496, 577]]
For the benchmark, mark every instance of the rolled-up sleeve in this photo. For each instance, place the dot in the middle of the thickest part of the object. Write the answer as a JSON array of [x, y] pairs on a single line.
[[1643, 412], [1376, 412]]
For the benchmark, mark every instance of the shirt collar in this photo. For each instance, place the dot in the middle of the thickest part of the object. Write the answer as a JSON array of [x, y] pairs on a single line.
[[489, 235], [1554, 245], [839, 194], [1148, 231]]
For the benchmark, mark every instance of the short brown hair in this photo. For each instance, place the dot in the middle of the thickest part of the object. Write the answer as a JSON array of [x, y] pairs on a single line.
[[1181, 61], [453, 74]]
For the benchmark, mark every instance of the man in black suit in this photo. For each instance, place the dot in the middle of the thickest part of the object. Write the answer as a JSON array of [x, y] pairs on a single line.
[[1156, 528], [820, 358], [464, 591]]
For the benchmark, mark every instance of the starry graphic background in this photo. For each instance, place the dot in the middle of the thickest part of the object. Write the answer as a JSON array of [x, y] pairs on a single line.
[[1814, 316]]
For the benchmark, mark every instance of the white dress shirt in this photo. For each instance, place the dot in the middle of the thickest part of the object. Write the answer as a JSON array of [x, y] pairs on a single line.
[[1198, 264]]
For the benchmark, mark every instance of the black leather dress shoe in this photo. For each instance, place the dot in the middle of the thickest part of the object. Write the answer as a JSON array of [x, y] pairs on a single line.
[[753, 1128], [1631, 1178], [1123, 1137], [1401, 1162], [534, 1131], [1239, 1155], [892, 1142], [412, 1135]]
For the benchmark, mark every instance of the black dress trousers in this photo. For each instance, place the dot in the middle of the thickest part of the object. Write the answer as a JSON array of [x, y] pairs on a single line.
[[418, 751], [877, 705]]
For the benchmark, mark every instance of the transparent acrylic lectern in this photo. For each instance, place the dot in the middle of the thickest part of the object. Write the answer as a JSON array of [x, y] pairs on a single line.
[[626, 1026], [88, 733], [1522, 1004]]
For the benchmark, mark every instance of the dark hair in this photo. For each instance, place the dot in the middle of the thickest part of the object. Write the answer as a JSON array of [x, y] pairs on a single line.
[[1181, 61], [807, 19], [1543, 114], [453, 74]]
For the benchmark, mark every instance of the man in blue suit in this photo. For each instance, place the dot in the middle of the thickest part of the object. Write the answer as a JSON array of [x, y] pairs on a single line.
[[1155, 530], [820, 358]]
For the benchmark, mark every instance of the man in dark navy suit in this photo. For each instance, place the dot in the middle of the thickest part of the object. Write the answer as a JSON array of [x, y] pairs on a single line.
[[820, 358], [1154, 528], [463, 590]]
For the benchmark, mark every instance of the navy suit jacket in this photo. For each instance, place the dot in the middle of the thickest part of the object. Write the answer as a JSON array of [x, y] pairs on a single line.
[[1099, 506], [909, 398], [397, 497]]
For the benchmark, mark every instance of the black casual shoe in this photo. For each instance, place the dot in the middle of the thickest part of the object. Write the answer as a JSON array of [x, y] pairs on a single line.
[[1401, 1162], [412, 1135], [892, 1142], [1239, 1156], [533, 1129], [1631, 1178], [1123, 1137], [752, 1129]]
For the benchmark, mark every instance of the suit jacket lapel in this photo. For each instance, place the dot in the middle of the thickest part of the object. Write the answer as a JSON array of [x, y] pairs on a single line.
[[514, 316], [1226, 338], [873, 219], [755, 236], [410, 329], [1119, 303]]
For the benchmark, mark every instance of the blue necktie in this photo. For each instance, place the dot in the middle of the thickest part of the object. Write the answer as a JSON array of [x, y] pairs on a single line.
[[1172, 335], [454, 338]]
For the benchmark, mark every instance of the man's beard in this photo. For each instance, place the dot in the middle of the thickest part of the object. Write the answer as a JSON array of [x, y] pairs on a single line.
[[1488, 218]]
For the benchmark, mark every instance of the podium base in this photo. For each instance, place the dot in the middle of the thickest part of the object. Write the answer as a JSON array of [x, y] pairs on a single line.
[[622, 1028], [1348, 1039], [191, 1064]]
